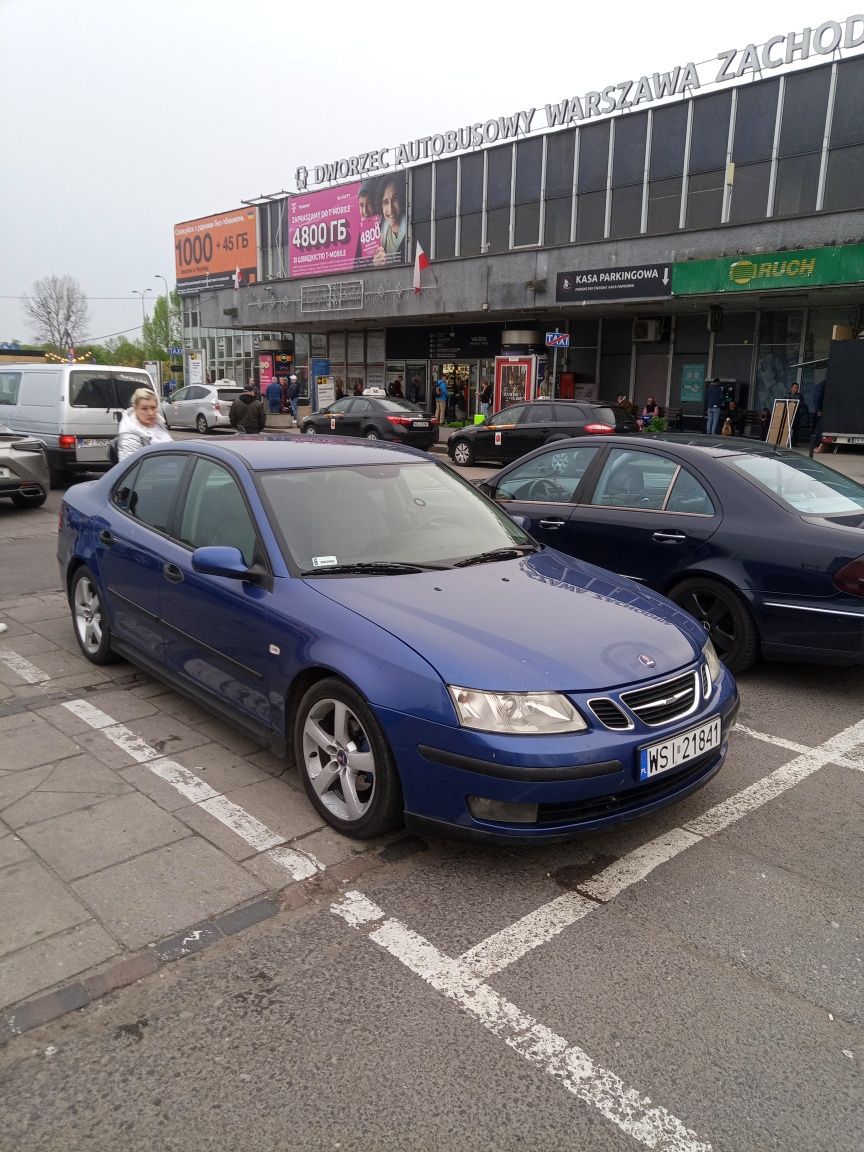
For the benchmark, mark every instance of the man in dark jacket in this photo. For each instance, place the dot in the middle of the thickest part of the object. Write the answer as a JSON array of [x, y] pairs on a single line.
[[714, 405], [247, 412], [274, 397]]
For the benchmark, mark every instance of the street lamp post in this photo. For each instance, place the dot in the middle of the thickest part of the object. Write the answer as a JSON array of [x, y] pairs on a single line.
[[137, 292], [158, 276]]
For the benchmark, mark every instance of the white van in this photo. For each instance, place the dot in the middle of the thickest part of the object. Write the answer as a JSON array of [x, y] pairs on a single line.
[[74, 409]]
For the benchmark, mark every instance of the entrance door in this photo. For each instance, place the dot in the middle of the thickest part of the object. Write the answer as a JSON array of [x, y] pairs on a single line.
[[417, 384]]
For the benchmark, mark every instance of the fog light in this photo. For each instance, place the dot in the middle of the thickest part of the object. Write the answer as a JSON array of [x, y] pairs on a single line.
[[481, 808]]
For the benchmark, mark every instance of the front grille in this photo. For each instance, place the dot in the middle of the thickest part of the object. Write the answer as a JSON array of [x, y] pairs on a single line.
[[609, 714], [661, 702], [619, 803]]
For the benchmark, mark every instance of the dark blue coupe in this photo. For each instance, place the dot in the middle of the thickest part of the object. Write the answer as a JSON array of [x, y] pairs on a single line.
[[763, 546], [367, 611]]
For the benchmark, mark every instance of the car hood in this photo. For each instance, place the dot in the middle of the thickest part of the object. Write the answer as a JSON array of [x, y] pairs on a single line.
[[545, 622]]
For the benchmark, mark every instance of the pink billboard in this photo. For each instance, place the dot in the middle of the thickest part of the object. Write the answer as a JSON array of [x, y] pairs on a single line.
[[361, 225]]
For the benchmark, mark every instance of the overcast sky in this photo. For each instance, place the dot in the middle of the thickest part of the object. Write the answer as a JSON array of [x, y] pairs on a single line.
[[119, 120]]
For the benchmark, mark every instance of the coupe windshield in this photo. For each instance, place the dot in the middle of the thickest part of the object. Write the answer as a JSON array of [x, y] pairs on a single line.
[[804, 485], [416, 514]]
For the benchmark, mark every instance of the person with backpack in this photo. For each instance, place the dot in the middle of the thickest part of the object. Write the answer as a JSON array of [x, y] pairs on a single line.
[[440, 398], [140, 425], [293, 397], [247, 412]]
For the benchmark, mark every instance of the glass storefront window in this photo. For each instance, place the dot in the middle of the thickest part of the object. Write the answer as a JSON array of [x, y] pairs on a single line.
[[750, 193], [593, 157], [421, 193], [664, 205], [445, 238], [529, 166], [527, 224], [445, 188], [847, 126], [628, 150], [471, 234], [805, 103], [709, 135], [797, 182], [845, 184], [755, 118], [705, 199], [498, 230], [590, 216]]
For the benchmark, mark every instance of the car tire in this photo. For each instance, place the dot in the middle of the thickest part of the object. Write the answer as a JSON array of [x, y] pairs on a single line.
[[201, 424], [25, 500], [372, 434], [462, 453], [727, 620], [90, 622], [310, 430], [348, 773]]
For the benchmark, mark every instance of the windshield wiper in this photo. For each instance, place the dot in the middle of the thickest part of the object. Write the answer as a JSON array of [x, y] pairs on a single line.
[[498, 554], [372, 568]]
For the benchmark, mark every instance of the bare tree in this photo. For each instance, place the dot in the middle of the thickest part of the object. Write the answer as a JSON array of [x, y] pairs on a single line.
[[58, 310]]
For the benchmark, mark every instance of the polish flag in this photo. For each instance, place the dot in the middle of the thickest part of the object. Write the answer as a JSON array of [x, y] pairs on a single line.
[[421, 261]]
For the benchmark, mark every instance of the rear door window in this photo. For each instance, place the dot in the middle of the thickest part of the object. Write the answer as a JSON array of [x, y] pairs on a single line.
[[9, 382], [105, 389]]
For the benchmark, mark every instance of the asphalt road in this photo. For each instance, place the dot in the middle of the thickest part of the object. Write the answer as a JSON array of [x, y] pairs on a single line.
[[687, 982]]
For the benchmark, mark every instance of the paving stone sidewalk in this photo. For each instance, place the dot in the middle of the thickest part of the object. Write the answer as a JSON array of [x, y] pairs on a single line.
[[105, 868]]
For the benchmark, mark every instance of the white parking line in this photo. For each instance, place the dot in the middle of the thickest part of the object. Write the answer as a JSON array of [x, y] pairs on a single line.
[[27, 671], [298, 864], [624, 1106], [504, 948]]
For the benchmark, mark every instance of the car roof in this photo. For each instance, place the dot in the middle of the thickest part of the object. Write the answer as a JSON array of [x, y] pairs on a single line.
[[268, 451], [693, 446]]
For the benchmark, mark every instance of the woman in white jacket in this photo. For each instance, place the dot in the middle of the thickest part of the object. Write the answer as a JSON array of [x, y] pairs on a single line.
[[141, 424]]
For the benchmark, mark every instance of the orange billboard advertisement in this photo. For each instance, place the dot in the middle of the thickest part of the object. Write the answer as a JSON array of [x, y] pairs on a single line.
[[215, 251]]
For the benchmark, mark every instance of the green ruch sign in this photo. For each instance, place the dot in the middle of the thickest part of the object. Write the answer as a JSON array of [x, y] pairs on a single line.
[[768, 271]]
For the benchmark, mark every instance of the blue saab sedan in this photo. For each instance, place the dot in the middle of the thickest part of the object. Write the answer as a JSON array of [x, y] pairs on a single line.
[[366, 611]]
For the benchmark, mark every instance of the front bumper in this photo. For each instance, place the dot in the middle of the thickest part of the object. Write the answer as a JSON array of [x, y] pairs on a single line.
[[580, 783]]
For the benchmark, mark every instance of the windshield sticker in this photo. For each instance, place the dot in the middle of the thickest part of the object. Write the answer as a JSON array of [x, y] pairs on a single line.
[[324, 561]]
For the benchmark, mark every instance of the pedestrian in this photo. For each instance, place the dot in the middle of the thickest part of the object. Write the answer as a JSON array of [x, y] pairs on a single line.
[[142, 424], [273, 394], [293, 397], [247, 412], [816, 444], [441, 397], [485, 397], [170, 387], [764, 423], [714, 405], [626, 403], [650, 412], [414, 390], [736, 418], [802, 412], [396, 388]]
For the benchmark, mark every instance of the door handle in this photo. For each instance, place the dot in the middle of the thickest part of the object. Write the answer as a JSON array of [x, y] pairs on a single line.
[[173, 573], [551, 523], [106, 538], [668, 537]]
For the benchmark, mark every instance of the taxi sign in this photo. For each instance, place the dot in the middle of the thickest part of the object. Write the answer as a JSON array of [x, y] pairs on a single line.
[[557, 340]]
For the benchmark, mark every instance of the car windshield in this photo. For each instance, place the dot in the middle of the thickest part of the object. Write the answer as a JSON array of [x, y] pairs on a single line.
[[413, 513], [803, 485]]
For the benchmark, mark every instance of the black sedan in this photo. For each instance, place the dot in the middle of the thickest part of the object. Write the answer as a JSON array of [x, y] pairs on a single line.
[[521, 428], [762, 545], [375, 418]]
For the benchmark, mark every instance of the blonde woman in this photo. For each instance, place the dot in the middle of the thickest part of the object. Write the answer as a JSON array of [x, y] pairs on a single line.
[[142, 424]]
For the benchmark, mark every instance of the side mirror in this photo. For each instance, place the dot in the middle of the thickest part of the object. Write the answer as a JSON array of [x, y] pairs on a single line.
[[523, 522], [216, 560], [486, 488]]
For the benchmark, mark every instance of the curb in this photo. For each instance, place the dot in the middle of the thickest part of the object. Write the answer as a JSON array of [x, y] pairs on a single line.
[[77, 994]]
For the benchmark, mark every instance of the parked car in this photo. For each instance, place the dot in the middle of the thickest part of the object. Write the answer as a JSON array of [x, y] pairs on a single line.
[[201, 406], [521, 428], [364, 608], [763, 546], [23, 469], [74, 409], [375, 418]]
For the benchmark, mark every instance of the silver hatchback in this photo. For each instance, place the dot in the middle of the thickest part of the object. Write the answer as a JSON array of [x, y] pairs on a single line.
[[23, 469], [201, 406]]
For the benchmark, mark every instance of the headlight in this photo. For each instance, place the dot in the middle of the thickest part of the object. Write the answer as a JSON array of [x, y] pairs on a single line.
[[517, 713], [712, 662]]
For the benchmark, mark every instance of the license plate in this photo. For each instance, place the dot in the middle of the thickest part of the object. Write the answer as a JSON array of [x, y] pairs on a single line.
[[92, 441], [672, 753], [420, 424]]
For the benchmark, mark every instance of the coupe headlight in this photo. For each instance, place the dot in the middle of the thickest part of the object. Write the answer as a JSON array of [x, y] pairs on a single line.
[[712, 662], [516, 713]]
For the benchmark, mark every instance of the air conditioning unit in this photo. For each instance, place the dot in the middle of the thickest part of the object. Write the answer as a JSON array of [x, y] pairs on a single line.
[[645, 330]]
